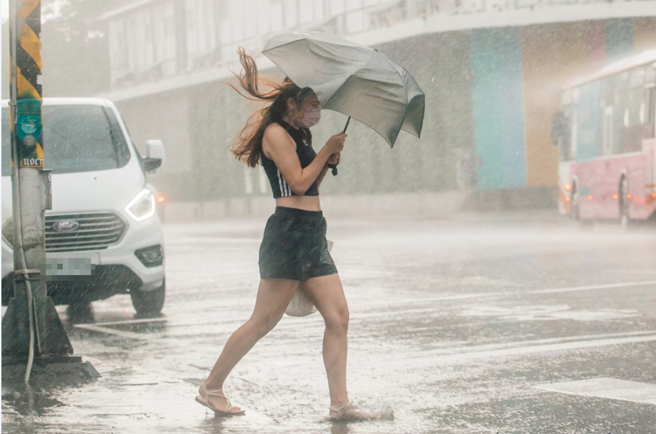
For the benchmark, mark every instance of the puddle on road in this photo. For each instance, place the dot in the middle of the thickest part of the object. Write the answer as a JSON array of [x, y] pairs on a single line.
[[22, 402]]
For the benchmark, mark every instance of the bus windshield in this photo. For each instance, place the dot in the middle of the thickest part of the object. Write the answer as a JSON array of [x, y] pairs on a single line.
[[77, 138]]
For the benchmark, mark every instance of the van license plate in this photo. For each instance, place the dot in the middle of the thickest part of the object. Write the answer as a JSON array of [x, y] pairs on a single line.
[[69, 268]]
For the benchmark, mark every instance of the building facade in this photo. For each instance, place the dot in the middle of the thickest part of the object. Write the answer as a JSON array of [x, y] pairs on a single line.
[[492, 72]]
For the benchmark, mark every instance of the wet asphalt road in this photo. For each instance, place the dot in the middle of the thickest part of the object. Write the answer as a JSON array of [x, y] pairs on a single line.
[[456, 327]]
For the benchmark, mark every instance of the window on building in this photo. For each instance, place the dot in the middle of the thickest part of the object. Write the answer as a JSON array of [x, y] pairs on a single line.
[[202, 14], [306, 11], [159, 34], [319, 12], [169, 41], [169, 59], [337, 6], [201, 27], [277, 17], [263, 17], [291, 14], [352, 5], [149, 44], [207, 15], [355, 21], [190, 21], [250, 18], [225, 21], [130, 35], [118, 49], [237, 20]]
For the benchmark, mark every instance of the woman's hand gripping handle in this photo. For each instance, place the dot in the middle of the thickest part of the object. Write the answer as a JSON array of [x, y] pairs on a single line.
[[335, 157]]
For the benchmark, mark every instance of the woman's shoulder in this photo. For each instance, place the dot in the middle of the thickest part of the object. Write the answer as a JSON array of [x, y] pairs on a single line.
[[275, 134], [274, 129]]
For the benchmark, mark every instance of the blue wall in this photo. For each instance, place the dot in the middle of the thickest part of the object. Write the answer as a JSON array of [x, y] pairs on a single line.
[[498, 107]]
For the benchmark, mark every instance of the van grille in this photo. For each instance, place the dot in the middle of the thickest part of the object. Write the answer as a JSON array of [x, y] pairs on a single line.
[[77, 232]]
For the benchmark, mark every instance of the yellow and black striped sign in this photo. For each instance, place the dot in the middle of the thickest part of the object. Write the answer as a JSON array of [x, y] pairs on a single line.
[[29, 113]]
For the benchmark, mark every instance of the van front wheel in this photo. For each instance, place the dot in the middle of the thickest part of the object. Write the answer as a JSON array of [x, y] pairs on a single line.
[[149, 302]]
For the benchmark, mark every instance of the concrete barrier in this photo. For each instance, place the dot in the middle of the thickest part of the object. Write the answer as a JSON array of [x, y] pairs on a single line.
[[399, 204]]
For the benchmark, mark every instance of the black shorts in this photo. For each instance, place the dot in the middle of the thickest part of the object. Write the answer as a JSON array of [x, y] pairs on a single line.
[[294, 246]]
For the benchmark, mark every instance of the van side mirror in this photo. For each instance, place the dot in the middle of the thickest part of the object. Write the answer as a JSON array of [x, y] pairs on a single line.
[[155, 156]]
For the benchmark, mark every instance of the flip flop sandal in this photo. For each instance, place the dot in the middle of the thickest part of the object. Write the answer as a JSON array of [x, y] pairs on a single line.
[[348, 412], [204, 401]]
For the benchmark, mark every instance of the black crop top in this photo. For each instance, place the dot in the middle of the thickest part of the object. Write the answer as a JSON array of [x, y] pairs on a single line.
[[305, 154]]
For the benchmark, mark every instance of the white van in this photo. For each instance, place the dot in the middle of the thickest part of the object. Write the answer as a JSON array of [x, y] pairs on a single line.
[[103, 233]]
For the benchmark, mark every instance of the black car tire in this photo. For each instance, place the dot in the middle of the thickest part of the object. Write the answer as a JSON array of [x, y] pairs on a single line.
[[149, 302]]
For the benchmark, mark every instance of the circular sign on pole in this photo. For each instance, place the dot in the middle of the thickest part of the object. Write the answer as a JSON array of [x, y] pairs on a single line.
[[28, 131]]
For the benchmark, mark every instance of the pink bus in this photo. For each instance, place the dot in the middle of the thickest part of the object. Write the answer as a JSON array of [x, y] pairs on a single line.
[[606, 133]]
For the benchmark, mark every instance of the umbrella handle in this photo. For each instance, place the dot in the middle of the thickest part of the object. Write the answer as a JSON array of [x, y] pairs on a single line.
[[334, 166]]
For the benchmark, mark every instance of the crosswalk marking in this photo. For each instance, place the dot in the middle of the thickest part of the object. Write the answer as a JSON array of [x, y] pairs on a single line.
[[609, 388], [464, 355], [514, 293]]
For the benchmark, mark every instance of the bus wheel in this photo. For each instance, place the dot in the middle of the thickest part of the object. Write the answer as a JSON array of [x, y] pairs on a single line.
[[625, 220], [576, 210], [574, 201]]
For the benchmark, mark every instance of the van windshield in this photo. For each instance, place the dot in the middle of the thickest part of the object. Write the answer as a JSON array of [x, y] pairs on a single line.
[[77, 138]]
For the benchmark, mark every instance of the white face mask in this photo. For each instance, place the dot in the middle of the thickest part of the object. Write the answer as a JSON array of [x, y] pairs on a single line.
[[311, 118]]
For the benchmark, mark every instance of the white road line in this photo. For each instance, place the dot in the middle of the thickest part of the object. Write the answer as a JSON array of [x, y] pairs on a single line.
[[515, 293], [587, 288], [609, 388], [133, 321], [108, 331], [214, 240], [482, 352], [519, 344]]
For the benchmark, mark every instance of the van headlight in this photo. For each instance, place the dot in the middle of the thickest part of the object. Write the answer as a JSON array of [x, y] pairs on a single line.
[[142, 206]]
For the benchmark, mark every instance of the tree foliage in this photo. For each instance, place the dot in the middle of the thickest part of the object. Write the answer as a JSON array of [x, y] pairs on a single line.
[[75, 50]]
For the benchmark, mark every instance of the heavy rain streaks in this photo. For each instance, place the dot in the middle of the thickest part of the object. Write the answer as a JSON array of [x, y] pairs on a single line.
[[492, 217]]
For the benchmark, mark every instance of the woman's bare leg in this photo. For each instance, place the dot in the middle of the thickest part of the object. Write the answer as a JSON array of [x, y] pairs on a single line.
[[273, 296], [327, 294]]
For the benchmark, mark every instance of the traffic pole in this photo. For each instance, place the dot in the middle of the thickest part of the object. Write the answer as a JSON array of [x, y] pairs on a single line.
[[32, 331]]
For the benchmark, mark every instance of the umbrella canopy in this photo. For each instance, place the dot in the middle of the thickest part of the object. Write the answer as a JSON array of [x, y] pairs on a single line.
[[352, 79]]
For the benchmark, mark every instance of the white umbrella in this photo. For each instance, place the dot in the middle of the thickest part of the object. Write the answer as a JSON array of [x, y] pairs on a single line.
[[352, 79]]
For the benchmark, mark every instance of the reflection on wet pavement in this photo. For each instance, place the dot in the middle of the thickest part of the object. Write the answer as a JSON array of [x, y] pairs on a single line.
[[453, 328]]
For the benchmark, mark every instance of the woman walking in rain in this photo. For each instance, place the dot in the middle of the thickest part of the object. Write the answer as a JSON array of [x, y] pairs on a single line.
[[294, 248]]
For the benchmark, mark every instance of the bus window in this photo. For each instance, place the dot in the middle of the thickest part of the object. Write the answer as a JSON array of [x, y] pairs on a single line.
[[650, 112], [574, 135], [607, 132]]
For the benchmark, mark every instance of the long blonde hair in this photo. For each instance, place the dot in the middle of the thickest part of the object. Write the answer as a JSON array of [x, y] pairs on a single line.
[[247, 145]]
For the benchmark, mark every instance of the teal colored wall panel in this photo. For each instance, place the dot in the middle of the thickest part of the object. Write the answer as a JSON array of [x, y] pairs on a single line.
[[619, 38], [498, 106], [511, 109]]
